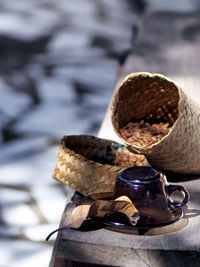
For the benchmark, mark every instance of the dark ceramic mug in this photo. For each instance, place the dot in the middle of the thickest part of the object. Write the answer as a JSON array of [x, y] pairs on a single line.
[[150, 193]]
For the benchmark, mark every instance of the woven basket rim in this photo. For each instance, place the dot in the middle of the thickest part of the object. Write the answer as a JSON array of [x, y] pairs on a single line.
[[87, 176], [133, 147], [83, 157]]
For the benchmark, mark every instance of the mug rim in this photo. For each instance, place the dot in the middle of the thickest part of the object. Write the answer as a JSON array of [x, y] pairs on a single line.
[[156, 175]]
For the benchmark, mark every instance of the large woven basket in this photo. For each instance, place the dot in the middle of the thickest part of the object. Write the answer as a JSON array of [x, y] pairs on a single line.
[[77, 165], [145, 95]]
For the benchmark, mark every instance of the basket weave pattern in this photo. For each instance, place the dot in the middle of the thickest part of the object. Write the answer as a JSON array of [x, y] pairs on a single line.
[[76, 167], [155, 97]]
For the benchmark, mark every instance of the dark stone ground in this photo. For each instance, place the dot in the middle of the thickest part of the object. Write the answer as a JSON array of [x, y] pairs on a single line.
[[59, 62]]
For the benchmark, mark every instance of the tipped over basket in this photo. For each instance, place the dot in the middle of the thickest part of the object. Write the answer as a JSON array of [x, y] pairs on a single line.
[[85, 163], [144, 99]]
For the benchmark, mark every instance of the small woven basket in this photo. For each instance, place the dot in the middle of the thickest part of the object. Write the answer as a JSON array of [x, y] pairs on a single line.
[[154, 96], [77, 165]]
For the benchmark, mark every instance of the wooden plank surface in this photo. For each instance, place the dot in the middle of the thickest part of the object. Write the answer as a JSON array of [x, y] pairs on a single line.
[[167, 43]]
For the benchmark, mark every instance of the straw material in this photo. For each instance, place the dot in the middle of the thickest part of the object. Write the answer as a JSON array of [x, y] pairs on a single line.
[[154, 96], [77, 168]]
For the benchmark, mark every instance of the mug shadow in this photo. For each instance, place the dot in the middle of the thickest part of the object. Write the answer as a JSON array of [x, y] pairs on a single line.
[[152, 231], [190, 213]]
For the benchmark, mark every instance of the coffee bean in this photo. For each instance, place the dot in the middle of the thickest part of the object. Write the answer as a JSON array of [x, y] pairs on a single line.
[[143, 133]]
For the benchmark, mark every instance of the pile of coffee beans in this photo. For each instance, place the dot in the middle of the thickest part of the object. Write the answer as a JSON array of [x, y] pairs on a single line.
[[123, 159], [144, 133], [128, 160]]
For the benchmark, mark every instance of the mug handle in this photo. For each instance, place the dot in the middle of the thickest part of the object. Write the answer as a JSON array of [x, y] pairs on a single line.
[[171, 188]]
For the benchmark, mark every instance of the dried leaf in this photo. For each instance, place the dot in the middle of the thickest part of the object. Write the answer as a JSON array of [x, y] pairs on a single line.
[[101, 196], [119, 210], [123, 198], [79, 214]]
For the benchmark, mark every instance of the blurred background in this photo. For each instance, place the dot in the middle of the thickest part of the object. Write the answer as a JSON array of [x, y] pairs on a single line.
[[59, 61]]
